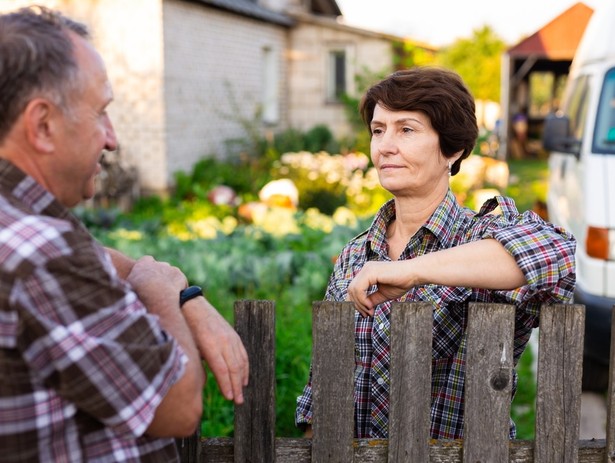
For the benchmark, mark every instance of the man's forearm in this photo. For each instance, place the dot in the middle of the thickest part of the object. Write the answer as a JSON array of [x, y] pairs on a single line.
[[122, 263]]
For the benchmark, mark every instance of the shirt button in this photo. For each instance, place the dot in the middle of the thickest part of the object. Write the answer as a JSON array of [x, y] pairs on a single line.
[[381, 326], [380, 381]]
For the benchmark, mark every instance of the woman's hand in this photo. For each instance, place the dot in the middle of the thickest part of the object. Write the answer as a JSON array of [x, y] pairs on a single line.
[[480, 264], [390, 279]]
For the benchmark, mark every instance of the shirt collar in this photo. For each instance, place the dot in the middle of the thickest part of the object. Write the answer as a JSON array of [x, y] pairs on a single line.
[[14, 182], [442, 223]]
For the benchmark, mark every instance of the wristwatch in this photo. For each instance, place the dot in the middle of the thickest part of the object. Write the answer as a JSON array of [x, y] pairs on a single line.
[[189, 293]]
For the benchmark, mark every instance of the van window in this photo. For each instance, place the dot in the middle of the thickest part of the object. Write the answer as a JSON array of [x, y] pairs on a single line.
[[576, 107], [604, 135]]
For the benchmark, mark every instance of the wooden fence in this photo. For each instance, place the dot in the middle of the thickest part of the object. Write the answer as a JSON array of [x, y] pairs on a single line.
[[487, 395]]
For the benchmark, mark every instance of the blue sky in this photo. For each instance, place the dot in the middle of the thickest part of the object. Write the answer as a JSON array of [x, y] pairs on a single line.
[[440, 22]]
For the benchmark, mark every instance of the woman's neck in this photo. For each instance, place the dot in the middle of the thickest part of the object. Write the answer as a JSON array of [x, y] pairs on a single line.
[[411, 213]]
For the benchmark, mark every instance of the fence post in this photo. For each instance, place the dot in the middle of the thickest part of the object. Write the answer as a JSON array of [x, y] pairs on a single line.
[[254, 438], [488, 385], [332, 382], [189, 448], [410, 387], [558, 395]]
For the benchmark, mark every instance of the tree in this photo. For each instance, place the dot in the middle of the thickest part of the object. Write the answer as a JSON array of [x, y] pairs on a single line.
[[477, 60]]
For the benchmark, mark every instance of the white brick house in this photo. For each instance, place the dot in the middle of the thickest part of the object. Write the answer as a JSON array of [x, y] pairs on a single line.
[[186, 72]]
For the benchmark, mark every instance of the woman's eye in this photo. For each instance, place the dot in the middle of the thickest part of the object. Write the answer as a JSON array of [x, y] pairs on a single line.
[[407, 130], [376, 131]]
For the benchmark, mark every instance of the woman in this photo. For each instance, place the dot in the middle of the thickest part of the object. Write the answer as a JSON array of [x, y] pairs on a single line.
[[424, 246]]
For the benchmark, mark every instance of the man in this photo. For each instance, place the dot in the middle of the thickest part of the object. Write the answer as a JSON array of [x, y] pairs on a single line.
[[98, 361]]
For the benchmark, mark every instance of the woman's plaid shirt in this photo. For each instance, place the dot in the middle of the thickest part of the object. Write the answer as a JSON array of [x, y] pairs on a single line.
[[544, 252]]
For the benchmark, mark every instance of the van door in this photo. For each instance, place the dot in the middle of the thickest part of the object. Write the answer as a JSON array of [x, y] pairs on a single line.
[[565, 197]]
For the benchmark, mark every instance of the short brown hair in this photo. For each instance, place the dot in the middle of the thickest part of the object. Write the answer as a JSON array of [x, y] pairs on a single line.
[[36, 56], [436, 92]]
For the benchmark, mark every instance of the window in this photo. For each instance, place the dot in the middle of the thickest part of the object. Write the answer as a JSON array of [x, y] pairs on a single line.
[[604, 133], [270, 96], [576, 109], [337, 75]]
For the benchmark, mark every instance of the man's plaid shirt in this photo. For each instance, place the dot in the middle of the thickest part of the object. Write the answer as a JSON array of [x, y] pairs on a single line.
[[544, 252], [83, 366]]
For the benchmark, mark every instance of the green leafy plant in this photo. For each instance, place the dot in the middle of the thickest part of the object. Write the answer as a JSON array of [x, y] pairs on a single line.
[[250, 261]]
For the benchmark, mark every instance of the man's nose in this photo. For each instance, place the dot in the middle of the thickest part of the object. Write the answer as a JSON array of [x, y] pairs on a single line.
[[111, 138]]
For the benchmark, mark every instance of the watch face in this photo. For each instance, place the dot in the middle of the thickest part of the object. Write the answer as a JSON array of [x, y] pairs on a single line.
[[189, 293]]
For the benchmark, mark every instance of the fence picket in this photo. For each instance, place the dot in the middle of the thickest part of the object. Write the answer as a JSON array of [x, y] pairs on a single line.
[[410, 388], [488, 385], [255, 418], [487, 402], [333, 381], [558, 395]]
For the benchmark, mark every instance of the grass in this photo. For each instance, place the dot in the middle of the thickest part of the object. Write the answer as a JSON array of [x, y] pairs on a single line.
[[528, 182], [528, 185], [294, 340], [237, 260]]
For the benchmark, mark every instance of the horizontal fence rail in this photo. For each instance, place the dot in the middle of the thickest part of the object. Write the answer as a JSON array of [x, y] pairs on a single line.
[[487, 397]]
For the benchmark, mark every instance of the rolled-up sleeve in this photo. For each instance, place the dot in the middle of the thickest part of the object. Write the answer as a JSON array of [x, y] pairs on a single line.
[[544, 252]]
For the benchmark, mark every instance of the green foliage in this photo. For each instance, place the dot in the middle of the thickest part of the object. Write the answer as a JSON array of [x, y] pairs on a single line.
[[244, 177], [289, 141], [292, 269], [523, 409], [528, 182], [478, 62], [408, 54], [327, 182], [320, 138]]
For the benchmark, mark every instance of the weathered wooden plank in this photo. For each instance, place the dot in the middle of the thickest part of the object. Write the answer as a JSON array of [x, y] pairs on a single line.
[[255, 418], [488, 387], [558, 395], [557, 422], [290, 450], [189, 448], [332, 381], [610, 409], [410, 387]]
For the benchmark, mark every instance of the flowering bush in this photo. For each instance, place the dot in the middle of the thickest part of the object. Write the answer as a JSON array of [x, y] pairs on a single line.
[[327, 181], [282, 255]]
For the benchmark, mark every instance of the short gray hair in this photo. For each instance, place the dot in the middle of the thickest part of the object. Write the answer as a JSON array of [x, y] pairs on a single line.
[[36, 58]]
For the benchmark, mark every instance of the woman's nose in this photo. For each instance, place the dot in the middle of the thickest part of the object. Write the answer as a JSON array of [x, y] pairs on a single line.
[[386, 144]]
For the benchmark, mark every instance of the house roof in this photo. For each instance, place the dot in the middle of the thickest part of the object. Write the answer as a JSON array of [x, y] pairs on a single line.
[[326, 7], [557, 40], [251, 9]]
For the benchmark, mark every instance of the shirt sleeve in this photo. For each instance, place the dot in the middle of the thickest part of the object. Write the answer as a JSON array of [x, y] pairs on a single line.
[[90, 340], [303, 413], [543, 251]]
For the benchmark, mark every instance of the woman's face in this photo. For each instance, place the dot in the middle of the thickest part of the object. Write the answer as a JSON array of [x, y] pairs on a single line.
[[405, 150]]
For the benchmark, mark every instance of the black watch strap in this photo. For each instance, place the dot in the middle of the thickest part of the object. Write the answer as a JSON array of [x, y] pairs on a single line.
[[189, 293]]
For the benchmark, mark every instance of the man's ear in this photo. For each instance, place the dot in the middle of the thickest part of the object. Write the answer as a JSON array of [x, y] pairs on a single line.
[[40, 123]]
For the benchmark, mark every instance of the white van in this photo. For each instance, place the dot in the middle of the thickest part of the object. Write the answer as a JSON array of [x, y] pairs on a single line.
[[581, 197]]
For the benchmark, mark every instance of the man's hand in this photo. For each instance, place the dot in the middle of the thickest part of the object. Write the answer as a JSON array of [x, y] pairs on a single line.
[[218, 343], [220, 346]]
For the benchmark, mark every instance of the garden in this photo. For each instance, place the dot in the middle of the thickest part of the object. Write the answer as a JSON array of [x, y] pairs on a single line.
[[269, 226]]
